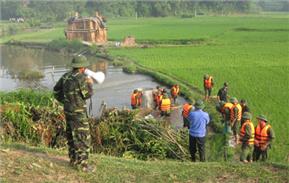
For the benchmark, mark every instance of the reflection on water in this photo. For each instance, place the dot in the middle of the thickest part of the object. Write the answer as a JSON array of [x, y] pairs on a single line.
[[115, 91]]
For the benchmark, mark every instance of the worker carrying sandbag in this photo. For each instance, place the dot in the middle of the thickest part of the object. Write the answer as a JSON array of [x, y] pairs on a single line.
[[264, 136]]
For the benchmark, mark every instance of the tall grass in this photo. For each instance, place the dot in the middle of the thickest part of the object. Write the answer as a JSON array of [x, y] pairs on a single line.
[[27, 97]]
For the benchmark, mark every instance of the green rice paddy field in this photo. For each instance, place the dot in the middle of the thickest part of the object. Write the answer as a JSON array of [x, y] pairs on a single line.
[[250, 53]]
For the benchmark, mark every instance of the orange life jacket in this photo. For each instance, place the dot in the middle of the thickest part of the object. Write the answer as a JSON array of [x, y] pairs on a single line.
[[133, 99], [227, 105], [239, 112], [208, 82], [261, 135], [186, 110], [243, 132], [166, 104]]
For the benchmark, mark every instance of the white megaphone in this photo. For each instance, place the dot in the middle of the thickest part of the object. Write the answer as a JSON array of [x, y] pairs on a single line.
[[96, 76]]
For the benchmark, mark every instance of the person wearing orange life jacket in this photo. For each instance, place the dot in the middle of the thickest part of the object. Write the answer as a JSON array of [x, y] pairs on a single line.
[[247, 133], [235, 117], [175, 92], [134, 99], [165, 105], [159, 98], [225, 110], [264, 135], [187, 107], [208, 85]]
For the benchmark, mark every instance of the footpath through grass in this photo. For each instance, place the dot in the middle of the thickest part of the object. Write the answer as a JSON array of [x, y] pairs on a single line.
[[251, 54], [23, 163]]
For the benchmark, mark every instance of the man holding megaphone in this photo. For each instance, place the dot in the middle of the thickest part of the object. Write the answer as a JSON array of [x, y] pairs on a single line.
[[72, 89]]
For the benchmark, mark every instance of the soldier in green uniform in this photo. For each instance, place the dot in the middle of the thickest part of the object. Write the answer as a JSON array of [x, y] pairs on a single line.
[[72, 89], [247, 133]]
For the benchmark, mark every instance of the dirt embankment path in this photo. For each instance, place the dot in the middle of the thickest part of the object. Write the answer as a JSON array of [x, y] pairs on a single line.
[[28, 165]]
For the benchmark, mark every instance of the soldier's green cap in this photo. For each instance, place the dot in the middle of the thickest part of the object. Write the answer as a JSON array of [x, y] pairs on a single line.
[[262, 117], [199, 104], [233, 100], [247, 115], [206, 76], [79, 61]]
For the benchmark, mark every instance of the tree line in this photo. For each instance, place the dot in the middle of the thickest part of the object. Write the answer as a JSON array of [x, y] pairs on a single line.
[[46, 11]]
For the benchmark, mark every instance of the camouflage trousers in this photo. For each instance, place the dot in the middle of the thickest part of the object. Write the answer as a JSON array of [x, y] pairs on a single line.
[[78, 137], [246, 153]]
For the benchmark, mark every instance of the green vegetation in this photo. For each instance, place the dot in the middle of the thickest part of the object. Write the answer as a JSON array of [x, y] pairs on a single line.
[[31, 116], [250, 53], [37, 119], [40, 36], [41, 164], [126, 134]]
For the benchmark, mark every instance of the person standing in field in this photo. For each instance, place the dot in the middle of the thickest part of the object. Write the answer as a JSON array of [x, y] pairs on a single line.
[[223, 93], [198, 123], [165, 105], [208, 85], [235, 117], [134, 99], [72, 89], [247, 134], [175, 92], [187, 107], [264, 135]]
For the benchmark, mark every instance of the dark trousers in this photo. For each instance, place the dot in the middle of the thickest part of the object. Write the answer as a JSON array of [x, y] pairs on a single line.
[[165, 113], [197, 143], [257, 153], [208, 91], [186, 123]]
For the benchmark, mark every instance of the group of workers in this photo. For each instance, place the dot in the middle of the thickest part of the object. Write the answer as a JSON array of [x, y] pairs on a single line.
[[255, 141], [162, 100], [238, 119], [74, 87]]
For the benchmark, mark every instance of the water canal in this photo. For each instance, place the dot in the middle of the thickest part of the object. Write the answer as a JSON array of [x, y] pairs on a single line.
[[115, 91]]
